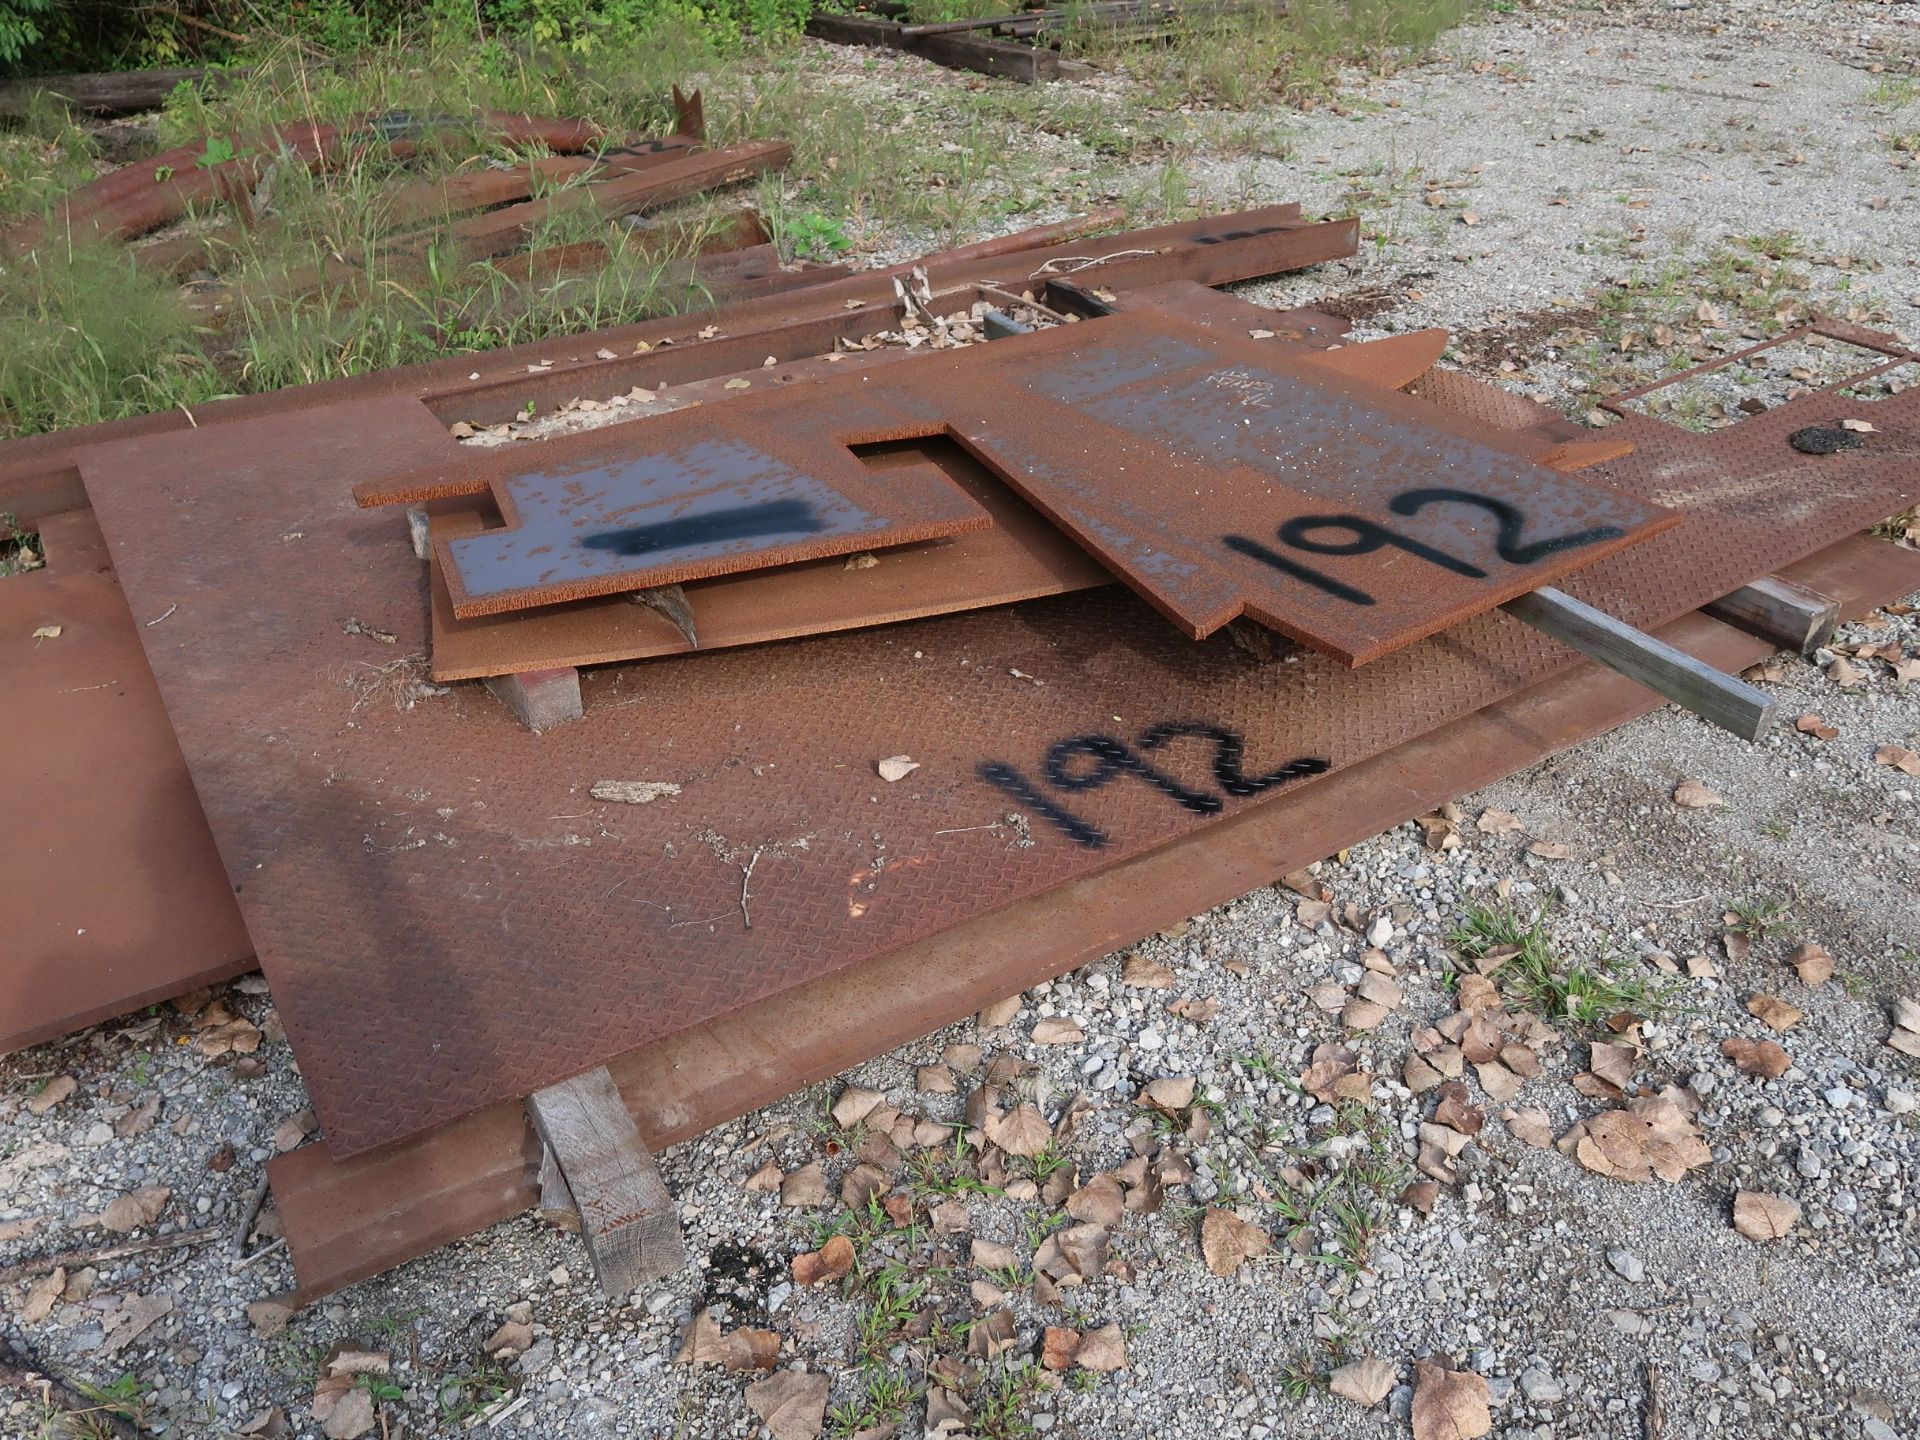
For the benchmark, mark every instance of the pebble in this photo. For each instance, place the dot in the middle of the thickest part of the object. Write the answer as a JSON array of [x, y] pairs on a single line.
[[1627, 1265], [1541, 1387]]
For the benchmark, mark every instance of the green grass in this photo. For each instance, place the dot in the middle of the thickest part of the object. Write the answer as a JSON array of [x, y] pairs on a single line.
[[1754, 915], [1583, 993]]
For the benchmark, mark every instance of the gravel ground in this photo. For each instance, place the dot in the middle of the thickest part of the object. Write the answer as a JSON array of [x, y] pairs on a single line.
[[1591, 147]]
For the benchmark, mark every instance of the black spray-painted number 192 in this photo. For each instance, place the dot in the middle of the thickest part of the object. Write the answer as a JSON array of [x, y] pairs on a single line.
[[1112, 758]]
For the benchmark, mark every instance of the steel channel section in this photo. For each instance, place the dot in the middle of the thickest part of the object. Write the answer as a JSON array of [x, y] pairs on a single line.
[[350, 1219], [443, 932]]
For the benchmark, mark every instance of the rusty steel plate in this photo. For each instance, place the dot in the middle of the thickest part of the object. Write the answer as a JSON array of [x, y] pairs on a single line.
[[1218, 475], [348, 1219], [450, 920], [1019, 557], [113, 893]]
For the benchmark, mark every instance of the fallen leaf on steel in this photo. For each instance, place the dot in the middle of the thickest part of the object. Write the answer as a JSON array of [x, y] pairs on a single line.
[[1550, 850], [1021, 1131], [632, 792], [1497, 822], [1763, 1217], [1774, 1013], [1812, 963], [1899, 757], [47, 632], [1811, 724], [1859, 427], [1366, 1381], [830, 1262], [1057, 1031], [1449, 1404], [1228, 1242], [896, 767], [1763, 1058], [791, 1405], [1692, 795]]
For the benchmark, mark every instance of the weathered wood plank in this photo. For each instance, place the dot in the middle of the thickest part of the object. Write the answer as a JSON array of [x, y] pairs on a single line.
[[1726, 700], [1791, 616], [119, 93], [627, 1215]]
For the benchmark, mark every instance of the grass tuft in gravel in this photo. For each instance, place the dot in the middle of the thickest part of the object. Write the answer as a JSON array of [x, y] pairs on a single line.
[[1585, 994]]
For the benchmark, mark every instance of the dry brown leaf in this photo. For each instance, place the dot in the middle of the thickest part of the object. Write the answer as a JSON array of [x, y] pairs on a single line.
[[861, 1184], [1693, 795], [991, 1334], [1145, 973], [1530, 1126], [764, 1181], [512, 1338], [129, 1212], [1057, 1347], [1057, 1031], [1448, 1404], [1763, 1217], [1550, 850], [1612, 1063], [1021, 1131], [268, 1317], [1498, 1081], [855, 1104], [1228, 1242], [1196, 1010], [1652, 1136], [1811, 724], [1363, 1014], [1775, 1013], [830, 1262], [1497, 822], [1366, 1381], [992, 1255], [791, 1405], [52, 1093], [1756, 1057], [1844, 673], [1170, 1094], [40, 1296], [1104, 1350], [139, 1119], [1812, 963], [132, 1320], [237, 1037], [1098, 1202], [288, 1134], [1899, 757], [805, 1186], [1000, 1013], [896, 767]]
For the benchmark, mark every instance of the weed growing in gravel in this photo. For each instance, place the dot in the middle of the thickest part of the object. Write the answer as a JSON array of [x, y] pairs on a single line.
[[884, 1399], [20, 548], [1754, 915], [1560, 990]]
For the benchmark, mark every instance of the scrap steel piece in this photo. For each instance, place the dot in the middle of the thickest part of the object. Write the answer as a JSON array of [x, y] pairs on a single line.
[[1216, 475], [442, 928]]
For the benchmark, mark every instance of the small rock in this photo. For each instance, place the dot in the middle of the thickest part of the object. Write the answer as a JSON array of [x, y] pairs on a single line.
[[1541, 1388], [1627, 1265]]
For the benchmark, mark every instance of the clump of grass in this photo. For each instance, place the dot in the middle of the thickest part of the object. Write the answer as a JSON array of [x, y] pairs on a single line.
[[1239, 58], [1562, 990], [1754, 915]]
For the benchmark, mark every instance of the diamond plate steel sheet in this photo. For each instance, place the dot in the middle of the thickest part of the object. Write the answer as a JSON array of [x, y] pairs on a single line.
[[449, 919]]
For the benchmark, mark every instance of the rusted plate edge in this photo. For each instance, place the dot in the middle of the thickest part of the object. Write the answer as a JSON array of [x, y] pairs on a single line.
[[1880, 341], [348, 1221]]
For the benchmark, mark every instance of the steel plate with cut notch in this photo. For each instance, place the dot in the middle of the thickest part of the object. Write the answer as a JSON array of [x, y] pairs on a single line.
[[1216, 475], [449, 919]]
